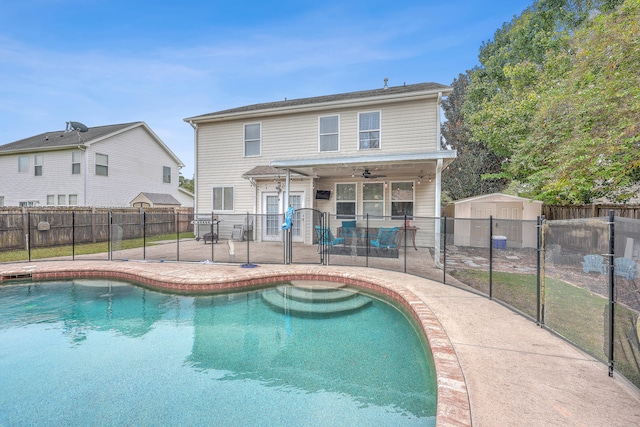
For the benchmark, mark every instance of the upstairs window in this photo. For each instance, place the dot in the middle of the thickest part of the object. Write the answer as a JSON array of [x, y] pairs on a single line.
[[102, 164], [252, 134], [369, 130], [37, 161], [23, 164], [166, 174], [222, 199], [76, 157], [329, 139], [51, 199]]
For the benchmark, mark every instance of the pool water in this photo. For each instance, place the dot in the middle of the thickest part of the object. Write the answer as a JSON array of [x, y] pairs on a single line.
[[88, 352]]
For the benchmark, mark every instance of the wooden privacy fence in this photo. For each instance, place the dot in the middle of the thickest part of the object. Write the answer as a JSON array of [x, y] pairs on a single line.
[[63, 226], [554, 212]]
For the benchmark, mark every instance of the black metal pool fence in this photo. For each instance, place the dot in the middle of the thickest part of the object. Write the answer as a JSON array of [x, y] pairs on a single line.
[[577, 278]]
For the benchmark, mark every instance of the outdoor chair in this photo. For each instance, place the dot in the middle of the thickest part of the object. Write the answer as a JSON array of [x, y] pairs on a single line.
[[244, 230], [624, 267], [387, 238], [594, 263], [326, 238]]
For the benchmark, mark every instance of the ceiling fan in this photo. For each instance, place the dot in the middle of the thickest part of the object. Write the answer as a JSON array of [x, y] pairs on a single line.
[[368, 175]]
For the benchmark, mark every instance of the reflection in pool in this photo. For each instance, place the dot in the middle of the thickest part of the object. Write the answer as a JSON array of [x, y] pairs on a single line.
[[105, 352]]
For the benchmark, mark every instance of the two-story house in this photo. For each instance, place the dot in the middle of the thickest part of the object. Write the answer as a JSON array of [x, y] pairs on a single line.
[[374, 152], [102, 166]]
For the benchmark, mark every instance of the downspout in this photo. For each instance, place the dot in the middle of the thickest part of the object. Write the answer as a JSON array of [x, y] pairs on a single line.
[[86, 173], [438, 198], [195, 167]]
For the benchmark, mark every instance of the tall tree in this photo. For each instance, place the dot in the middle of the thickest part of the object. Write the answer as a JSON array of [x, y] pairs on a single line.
[[464, 177], [585, 135], [504, 96]]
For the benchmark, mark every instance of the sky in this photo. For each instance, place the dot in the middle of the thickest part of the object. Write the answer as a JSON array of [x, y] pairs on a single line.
[[102, 62]]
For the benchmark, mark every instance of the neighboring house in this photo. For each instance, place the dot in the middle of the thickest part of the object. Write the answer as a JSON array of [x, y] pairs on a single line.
[[514, 218], [373, 152], [102, 166]]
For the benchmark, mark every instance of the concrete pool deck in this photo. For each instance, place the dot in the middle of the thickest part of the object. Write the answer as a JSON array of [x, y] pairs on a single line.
[[495, 367]]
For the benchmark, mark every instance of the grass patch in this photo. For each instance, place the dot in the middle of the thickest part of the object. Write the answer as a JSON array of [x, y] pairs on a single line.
[[85, 248]]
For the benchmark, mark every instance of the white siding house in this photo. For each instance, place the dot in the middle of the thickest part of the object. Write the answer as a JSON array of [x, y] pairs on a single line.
[[374, 152], [102, 166]]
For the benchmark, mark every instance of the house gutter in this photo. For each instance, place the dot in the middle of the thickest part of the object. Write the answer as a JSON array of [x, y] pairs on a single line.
[[195, 166]]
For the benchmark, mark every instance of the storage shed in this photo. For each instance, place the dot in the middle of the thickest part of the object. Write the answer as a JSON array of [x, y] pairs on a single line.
[[514, 218]]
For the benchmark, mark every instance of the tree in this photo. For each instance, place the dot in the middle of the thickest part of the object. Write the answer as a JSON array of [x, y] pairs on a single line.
[[522, 70], [464, 177], [585, 135], [187, 184]]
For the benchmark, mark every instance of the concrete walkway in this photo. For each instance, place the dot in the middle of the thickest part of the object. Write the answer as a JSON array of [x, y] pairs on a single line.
[[516, 373]]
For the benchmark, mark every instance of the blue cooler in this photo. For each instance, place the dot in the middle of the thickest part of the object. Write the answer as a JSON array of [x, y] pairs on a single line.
[[500, 242]]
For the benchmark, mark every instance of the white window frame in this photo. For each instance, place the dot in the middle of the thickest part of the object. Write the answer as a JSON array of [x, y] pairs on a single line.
[[354, 201], [1, 201], [38, 160], [73, 200], [164, 174], [104, 165], [325, 134], [28, 203], [51, 199], [401, 200], [223, 207], [366, 202], [76, 162], [363, 131], [23, 164], [62, 200], [252, 140]]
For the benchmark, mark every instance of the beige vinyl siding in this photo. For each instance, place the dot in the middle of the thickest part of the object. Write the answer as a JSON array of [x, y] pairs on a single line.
[[408, 126]]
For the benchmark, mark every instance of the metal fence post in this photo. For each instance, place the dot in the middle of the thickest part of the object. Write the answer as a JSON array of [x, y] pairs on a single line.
[[144, 235], [444, 250], [29, 236], [405, 243], [490, 256], [538, 271], [612, 302], [73, 235], [109, 228]]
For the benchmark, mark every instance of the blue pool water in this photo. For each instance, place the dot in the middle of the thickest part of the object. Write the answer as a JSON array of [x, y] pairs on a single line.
[[84, 352]]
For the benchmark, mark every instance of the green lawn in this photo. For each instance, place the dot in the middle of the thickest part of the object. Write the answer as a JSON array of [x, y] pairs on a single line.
[[84, 248]]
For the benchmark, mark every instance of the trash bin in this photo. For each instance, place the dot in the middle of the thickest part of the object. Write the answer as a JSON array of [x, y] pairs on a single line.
[[500, 242]]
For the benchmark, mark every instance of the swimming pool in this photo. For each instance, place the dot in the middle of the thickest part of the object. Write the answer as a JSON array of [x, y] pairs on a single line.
[[104, 352]]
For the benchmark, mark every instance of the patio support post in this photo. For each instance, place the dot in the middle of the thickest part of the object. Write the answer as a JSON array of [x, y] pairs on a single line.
[[612, 302], [490, 257], [212, 239]]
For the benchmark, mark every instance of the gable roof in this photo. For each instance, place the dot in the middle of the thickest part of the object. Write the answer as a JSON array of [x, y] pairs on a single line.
[[349, 97], [160, 198], [495, 197], [61, 139]]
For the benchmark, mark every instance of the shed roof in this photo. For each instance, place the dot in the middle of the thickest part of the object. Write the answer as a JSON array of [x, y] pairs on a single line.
[[160, 198]]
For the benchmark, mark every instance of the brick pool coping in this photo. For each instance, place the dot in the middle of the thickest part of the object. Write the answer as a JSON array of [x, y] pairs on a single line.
[[453, 408]]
